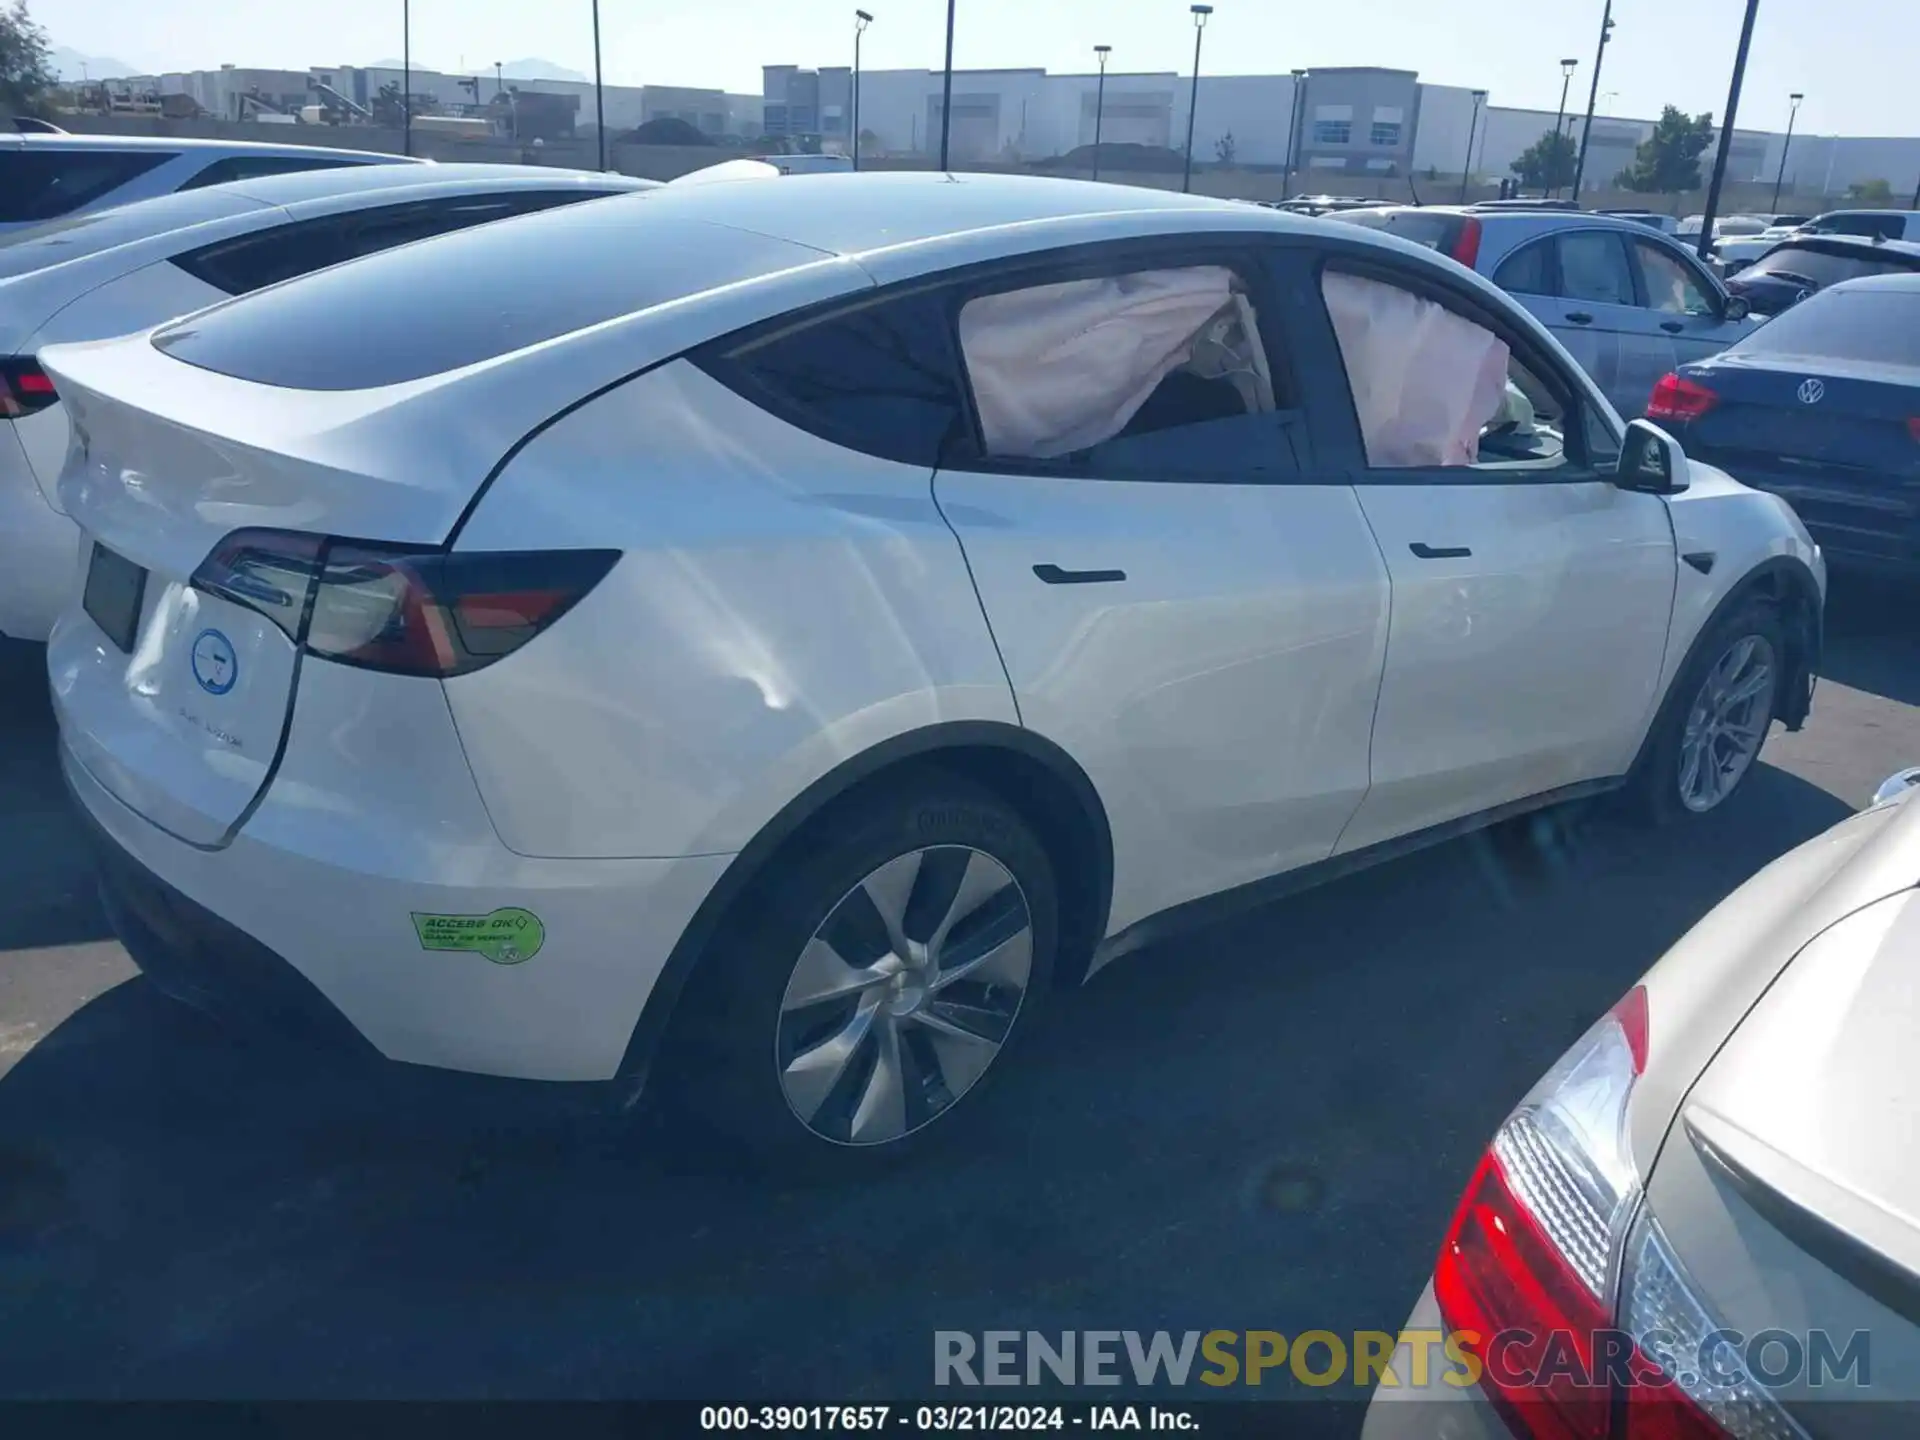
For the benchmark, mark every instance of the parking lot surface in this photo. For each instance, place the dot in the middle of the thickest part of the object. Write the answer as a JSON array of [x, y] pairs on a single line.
[[1262, 1126]]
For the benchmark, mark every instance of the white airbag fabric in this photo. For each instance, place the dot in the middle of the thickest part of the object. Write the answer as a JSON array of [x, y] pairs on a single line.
[[1059, 368], [1424, 379]]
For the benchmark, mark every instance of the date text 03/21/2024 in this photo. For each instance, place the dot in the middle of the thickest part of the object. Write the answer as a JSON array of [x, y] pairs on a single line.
[[940, 1419]]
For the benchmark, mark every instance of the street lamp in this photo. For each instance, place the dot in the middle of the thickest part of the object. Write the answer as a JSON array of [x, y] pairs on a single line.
[[599, 102], [1473, 125], [1567, 67], [1099, 104], [406, 78], [946, 92], [1293, 128], [861, 19], [1593, 94], [1200, 14], [499, 85], [1786, 145], [1726, 130]]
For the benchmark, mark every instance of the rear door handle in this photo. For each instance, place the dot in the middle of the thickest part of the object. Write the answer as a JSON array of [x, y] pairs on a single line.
[[1439, 552], [1672, 327], [1579, 317], [1054, 575]]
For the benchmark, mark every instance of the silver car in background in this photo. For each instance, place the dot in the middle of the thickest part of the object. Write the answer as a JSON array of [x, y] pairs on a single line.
[[1628, 302], [1714, 1198]]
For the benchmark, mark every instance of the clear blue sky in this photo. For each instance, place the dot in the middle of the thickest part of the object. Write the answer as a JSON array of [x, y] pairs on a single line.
[[1854, 59]]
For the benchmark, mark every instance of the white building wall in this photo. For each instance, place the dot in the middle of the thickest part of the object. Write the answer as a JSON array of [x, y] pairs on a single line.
[[1440, 142], [1255, 109]]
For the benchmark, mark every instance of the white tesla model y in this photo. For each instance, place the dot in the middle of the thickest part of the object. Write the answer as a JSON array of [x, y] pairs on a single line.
[[770, 635]]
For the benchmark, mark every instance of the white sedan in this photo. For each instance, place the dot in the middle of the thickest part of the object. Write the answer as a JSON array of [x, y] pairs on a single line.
[[113, 272], [769, 636]]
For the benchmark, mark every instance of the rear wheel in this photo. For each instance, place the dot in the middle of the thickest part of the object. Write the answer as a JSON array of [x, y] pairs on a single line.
[[1716, 717], [886, 966]]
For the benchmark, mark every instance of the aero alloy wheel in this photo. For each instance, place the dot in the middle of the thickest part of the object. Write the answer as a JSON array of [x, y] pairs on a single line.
[[1727, 722], [904, 996]]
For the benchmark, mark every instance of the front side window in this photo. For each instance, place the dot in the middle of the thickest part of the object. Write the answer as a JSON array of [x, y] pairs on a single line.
[[1593, 267], [1158, 374], [1433, 388], [1672, 285]]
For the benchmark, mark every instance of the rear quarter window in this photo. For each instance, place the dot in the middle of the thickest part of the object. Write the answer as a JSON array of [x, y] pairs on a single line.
[[38, 184], [457, 300]]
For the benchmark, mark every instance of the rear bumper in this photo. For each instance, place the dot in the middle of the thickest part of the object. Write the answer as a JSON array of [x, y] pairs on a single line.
[[292, 926], [38, 546]]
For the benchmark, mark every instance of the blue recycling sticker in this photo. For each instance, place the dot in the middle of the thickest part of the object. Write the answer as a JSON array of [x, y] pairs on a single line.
[[215, 665]]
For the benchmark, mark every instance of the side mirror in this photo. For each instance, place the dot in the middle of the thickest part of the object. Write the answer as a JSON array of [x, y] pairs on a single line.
[[1896, 785], [1738, 307], [1651, 461]]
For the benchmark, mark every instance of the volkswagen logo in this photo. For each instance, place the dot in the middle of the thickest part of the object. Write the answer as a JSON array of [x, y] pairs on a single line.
[[1812, 392]]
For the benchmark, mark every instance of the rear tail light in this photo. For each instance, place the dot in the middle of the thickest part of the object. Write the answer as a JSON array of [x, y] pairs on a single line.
[[24, 388], [1531, 1261], [1678, 398], [1913, 427], [400, 610], [1466, 245]]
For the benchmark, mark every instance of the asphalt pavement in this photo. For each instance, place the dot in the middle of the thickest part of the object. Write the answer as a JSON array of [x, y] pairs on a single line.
[[1264, 1126]]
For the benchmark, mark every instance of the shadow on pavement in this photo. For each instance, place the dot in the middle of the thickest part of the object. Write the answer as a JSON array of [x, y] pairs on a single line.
[[1264, 1126], [1873, 635], [48, 898]]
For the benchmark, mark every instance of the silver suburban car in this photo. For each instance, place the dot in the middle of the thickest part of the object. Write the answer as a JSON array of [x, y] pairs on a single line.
[[1627, 301]]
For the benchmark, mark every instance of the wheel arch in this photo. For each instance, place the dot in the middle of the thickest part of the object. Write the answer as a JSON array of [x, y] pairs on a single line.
[[1031, 773]]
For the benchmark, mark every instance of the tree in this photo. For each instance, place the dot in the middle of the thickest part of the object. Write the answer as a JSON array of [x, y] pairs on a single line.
[[1871, 192], [1546, 164], [26, 64], [1668, 161], [1226, 148]]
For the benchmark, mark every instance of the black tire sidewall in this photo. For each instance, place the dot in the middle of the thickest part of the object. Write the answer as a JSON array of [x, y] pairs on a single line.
[[1657, 785], [721, 1062]]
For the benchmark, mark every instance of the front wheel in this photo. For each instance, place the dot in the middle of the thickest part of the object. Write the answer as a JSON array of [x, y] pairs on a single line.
[[881, 971], [1716, 717]]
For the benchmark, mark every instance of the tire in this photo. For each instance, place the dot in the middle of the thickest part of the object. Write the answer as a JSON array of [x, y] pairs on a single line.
[[809, 1040], [1665, 785]]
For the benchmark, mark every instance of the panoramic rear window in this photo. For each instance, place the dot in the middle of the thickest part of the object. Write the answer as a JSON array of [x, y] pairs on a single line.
[[46, 184], [459, 299], [1880, 327]]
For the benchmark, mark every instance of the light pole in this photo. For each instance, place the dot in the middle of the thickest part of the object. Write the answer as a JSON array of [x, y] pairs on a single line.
[[946, 92], [1473, 125], [1567, 67], [599, 103], [499, 85], [1726, 130], [861, 19], [406, 78], [1200, 14], [1099, 104], [1293, 128], [1586, 131], [1786, 145]]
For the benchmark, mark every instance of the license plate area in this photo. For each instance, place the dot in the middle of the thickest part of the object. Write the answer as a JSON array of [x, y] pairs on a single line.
[[115, 591]]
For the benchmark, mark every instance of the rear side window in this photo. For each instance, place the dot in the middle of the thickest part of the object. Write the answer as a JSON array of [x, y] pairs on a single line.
[[1794, 263], [40, 184], [878, 378], [1593, 267], [1881, 327], [1528, 271], [266, 257], [488, 290], [252, 167]]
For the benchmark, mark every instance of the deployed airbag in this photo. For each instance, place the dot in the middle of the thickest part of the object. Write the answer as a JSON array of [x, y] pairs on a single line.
[[1425, 380], [1060, 368]]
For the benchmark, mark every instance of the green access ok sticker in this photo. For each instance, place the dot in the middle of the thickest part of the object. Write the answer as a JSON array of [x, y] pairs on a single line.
[[507, 936]]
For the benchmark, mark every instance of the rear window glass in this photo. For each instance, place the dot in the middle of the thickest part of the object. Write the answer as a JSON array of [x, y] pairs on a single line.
[[1822, 267], [1881, 327], [46, 184], [459, 299]]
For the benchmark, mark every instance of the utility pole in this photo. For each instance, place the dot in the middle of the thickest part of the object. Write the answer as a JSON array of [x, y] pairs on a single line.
[[1200, 14], [1567, 67], [861, 19], [946, 92], [406, 78], [599, 103], [1726, 130], [1293, 129], [1785, 146], [1099, 104], [1593, 95], [1466, 166]]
